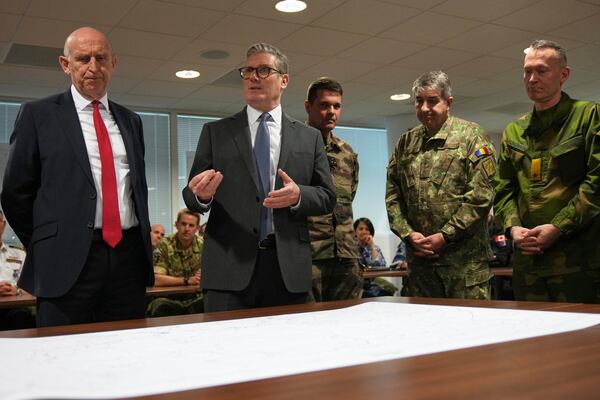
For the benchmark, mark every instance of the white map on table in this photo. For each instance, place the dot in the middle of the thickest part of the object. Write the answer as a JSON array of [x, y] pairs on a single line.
[[173, 358]]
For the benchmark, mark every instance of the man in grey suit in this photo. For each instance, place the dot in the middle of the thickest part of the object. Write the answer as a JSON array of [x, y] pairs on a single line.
[[261, 174], [75, 193]]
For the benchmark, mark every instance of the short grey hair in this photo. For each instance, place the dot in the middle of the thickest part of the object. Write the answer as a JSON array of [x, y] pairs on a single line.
[[540, 44], [281, 61], [436, 80]]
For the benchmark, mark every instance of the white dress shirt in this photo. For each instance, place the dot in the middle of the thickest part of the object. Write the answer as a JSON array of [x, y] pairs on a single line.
[[84, 109]]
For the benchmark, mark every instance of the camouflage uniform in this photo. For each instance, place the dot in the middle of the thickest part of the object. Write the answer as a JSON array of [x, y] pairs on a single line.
[[174, 261], [548, 173], [336, 274], [444, 184]]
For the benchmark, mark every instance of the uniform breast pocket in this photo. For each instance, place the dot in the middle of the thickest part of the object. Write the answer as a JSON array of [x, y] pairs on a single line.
[[569, 160]]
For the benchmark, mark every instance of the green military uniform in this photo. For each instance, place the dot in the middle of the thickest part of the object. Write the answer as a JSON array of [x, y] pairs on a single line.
[[172, 260], [444, 183], [336, 274], [548, 173]]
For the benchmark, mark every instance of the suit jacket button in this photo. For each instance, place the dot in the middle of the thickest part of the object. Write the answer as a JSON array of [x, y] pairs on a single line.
[[90, 225], [93, 196]]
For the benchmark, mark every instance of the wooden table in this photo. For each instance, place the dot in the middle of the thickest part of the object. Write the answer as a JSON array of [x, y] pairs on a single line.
[[25, 299], [565, 365], [384, 273]]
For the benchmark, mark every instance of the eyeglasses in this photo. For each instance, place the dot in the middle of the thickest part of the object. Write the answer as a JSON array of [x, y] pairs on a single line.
[[262, 71]]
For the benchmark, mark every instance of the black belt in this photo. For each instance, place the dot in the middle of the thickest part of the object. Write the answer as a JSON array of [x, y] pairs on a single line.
[[267, 243], [97, 233]]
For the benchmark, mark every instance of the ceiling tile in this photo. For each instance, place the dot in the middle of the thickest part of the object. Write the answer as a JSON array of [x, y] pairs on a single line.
[[203, 107], [482, 67], [14, 6], [515, 51], [332, 68], [486, 39], [424, 28], [482, 87], [148, 87], [8, 26], [553, 12], [146, 44], [136, 67], [359, 91], [350, 16], [381, 51], [583, 56], [26, 92], [393, 77], [422, 4], [480, 10], [245, 31], [121, 85], [170, 19], [218, 93], [45, 32], [435, 58], [33, 76], [300, 61], [88, 12], [319, 41], [221, 5], [192, 53], [585, 30]]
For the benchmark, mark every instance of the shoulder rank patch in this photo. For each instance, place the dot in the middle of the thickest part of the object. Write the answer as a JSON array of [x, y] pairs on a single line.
[[489, 166]]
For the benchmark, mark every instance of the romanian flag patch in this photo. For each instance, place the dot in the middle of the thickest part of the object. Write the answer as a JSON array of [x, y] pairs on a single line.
[[484, 151]]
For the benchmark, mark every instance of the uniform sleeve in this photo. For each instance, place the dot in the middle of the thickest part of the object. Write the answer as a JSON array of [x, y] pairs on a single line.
[[479, 189], [506, 209], [162, 263], [585, 205], [394, 201], [354, 175]]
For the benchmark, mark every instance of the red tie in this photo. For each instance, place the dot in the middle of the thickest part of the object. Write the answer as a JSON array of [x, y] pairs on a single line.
[[111, 221]]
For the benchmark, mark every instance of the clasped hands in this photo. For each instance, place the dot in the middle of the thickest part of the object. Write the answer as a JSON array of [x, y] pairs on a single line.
[[7, 289], [427, 246], [535, 240], [205, 184]]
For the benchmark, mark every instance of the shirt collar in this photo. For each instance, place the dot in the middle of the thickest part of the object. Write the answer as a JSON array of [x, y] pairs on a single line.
[[254, 114], [81, 102]]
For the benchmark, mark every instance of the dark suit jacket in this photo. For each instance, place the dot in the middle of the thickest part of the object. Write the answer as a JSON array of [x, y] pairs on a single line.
[[48, 193], [231, 238]]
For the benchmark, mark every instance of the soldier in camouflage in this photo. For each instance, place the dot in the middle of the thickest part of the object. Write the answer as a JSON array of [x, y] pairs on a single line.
[[439, 192], [157, 233], [335, 271], [178, 263], [547, 186]]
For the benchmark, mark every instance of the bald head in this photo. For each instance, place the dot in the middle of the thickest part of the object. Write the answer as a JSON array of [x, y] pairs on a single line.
[[89, 61]]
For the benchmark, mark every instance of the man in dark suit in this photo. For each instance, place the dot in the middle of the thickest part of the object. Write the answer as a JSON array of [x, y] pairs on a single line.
[[261, 174], [75, 193]]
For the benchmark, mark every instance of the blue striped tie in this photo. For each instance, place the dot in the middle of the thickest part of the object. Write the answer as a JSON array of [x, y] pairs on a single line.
[[262, 154]]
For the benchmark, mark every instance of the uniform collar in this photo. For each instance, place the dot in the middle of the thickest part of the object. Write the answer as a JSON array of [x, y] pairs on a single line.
[[561, 111]]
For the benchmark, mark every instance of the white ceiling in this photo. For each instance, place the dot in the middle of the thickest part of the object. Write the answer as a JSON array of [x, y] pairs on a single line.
[[374, 47]]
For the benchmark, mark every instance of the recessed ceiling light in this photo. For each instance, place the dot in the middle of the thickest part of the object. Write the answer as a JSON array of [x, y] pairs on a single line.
[[400, 96], [187, 74], [290, 6], [214, 54]]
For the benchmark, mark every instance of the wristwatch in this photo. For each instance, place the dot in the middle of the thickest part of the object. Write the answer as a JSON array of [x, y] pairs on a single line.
[[185, 281]]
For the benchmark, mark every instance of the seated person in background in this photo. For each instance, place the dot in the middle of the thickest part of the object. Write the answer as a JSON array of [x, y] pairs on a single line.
[[11, 262], [399, 260], [369, 254], [178, 263], [157, 233]]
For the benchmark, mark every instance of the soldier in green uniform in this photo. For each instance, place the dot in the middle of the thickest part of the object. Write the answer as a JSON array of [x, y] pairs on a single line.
[[335, 271], [178, 263], [439, 192], [547, 186]]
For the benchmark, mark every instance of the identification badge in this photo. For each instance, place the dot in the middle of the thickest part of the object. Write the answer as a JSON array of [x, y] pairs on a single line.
[[536, 169]]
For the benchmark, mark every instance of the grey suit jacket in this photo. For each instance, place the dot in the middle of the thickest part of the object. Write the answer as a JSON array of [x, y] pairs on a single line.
[[48, 193], [231, 238]]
